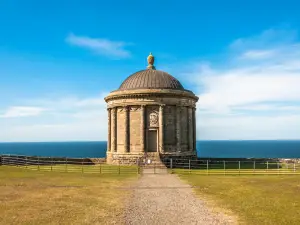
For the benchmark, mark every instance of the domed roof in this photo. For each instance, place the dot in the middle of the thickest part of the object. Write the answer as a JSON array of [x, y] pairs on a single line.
[[151, 79]]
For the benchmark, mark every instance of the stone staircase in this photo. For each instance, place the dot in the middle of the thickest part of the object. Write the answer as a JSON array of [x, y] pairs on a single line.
[[152, 162]]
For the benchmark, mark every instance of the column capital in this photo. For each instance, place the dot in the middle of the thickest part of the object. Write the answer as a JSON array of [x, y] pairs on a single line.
[[162, 106], [126, 108]]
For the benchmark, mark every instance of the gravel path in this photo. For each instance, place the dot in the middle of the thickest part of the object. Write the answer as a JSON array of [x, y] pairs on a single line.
[[165, 199]]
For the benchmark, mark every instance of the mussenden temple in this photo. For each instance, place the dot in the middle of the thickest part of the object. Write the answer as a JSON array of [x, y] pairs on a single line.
[[150, 115]]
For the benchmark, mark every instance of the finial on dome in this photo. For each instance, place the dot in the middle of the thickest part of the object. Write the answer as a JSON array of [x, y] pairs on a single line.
[[150, 60]]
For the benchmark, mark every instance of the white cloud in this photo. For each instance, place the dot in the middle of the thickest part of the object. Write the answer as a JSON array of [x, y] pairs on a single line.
[[100, 46], [255, 95], [68, 118], [273, 37], [22, 111], [252, 99], [258, 54]]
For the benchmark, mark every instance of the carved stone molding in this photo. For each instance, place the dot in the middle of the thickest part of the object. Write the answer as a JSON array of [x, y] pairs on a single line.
[[153, 119], [134, 108]]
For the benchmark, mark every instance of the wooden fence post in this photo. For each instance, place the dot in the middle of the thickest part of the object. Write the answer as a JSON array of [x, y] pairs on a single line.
[[82, 165], [100, 168], [224, 167], [239, 167], [207, 167], [119, 168], [38, 163], [171, 164], [51, 163], [267, 165], [294, 167], [66, 169], [254, 166], [189, 165]]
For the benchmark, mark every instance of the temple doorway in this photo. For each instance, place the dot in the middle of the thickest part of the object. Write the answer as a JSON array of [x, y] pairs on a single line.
[[152, 141]]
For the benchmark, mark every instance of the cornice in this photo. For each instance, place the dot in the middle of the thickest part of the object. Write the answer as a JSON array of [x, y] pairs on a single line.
[[150, 93]]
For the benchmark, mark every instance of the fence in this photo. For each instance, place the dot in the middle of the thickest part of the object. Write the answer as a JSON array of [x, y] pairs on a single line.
[[232, 167], [53, 164], [177, 166]]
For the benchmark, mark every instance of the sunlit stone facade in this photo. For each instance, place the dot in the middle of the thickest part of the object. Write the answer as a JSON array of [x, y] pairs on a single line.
[[150, 114]]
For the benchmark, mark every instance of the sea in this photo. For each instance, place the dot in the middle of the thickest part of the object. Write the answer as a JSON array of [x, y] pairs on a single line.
[[206, 149]]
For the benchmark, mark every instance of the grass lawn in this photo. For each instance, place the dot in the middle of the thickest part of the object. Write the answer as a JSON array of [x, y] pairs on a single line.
[[254, 199], [37, 197]]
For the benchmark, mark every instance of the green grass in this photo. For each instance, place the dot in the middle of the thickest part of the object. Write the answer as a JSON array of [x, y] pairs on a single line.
[[39, 197], [254, 199]]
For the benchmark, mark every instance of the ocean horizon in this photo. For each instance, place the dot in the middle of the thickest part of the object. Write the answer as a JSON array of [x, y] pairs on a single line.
[[205, 148]]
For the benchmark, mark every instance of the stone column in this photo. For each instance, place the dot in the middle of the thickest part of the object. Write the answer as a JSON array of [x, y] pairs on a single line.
[[194, 129], [109, 130], [143, 128], [191, 128], [126, 126], [161, 128], [114, 129], [178, 128]]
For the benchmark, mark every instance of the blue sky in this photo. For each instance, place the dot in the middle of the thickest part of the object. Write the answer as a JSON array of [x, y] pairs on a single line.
[[58, 59]]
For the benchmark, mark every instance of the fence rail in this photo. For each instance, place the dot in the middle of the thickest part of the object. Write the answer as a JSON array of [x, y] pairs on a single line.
[[80, 165], [181, 166], [232, 167]]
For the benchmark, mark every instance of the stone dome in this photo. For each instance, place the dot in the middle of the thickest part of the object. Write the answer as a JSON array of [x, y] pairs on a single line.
[[151, 79]]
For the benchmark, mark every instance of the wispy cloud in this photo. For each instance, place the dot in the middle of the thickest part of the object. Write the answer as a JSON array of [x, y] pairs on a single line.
[[258, 54], [100, 46], [59, 119], [256, 95], [274, 37], [22, 111]]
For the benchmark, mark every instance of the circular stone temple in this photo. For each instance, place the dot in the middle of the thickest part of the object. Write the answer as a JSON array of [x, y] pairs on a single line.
[[150, 115]]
